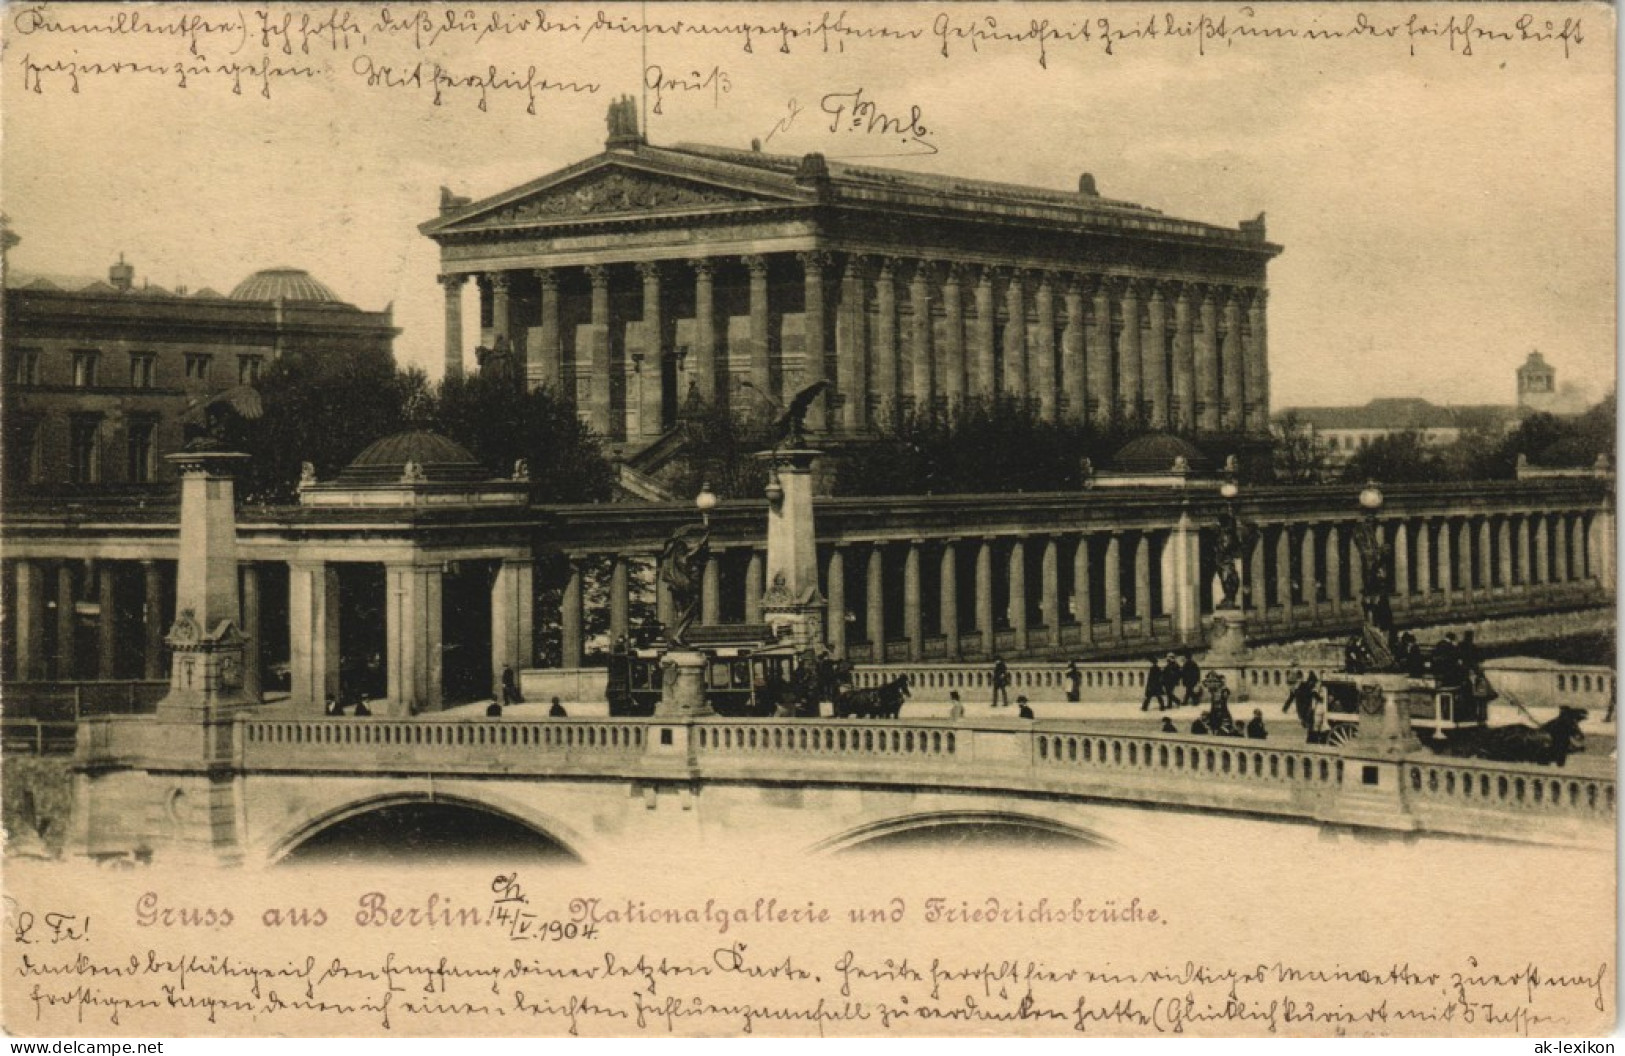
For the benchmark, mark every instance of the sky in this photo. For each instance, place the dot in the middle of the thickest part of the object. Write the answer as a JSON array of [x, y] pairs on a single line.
[[1446, 202]]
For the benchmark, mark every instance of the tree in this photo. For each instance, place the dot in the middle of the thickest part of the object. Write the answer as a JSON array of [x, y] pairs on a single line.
[[500, 423], [1395, 458], [1300, 456]]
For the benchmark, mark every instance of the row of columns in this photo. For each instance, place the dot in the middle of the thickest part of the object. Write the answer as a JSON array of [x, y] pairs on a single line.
[[1175, 354]]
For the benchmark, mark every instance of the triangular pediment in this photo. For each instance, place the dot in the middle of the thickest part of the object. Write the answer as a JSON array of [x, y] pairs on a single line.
[[606, 191]]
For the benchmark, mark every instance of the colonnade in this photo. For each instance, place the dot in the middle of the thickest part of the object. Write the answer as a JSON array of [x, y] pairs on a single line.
[[632, 340]]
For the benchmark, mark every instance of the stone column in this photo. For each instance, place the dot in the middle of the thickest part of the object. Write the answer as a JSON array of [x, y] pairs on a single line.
[[1560, 548], [1283, 572], [1098, 367], [1258, 364], [815, 335], [948, 609], [981, 383], [1486, 555], [570, 622], [501, 321], [1522, 544], [1082, 609], [106, 639], [453, 285], [1130, 379], [1049, 576], [1207, 365], [1234, 414], [1113, 572], [544, 361], [852, 347], [1018, 593], [1307, 570], [313, 634], [152, 621], [1183, 410], [651, 384], [919, 301], [1578, 568], [1541, 567], [1334, 568], [598, 409], [28, 607], [1142, 582], [1503, 551], [1602, 541], [760, 369], [755, 586], [1260, 579], [913, 627], [512, 597], [1041, 383], [705, 332], [1015, 337], [1154, 360], [412, 618], [1446, 562], [884, 376], [951, 358], [620, 597], [1464, 557], [1182, 585], [835, 629], [251, 624], [67, 660], [984, 596], [1074, 391], [874, 586], [1424, 560], [711, 591], [1402, 561]]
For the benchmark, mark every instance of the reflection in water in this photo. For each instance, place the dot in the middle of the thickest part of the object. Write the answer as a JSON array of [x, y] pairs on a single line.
[[430, 833]]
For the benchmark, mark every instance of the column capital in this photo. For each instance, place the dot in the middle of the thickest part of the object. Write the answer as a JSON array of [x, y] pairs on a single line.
[[704, 267], [499, 280], [885, 267], [452, 282], [954, 271], [1257, 297], [757, 265], [816, 259], [598, 274], [985, 274], [650, 270], [921, 271], [1131, 286], [548, 277], [1156, 289]]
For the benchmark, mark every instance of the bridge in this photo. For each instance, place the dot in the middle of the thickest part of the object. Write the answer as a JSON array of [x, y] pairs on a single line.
[[254, 790]]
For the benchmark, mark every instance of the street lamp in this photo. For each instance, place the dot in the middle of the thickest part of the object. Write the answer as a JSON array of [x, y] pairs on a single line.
[[1229, 490], [1371, 498], [705, 502]]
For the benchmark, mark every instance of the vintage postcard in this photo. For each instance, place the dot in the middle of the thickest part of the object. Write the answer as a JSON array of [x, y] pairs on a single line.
[[887, 520]]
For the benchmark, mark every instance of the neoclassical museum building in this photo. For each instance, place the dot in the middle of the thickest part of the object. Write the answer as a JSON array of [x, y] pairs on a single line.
[[644, 277]]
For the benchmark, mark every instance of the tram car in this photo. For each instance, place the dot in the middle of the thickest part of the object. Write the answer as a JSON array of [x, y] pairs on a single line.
[[1437, 713], [748, 673]]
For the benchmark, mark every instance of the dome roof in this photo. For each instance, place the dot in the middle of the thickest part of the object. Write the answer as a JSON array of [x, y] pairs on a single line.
[[442, 461], [285, 284], [1155, 453]]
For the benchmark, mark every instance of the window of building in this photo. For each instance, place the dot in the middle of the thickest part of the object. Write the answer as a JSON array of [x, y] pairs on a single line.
[[84, 450], [84, 369], [141, 369], [24, 441], [141, 449], [249, 369], [197, 366], [25, 367]]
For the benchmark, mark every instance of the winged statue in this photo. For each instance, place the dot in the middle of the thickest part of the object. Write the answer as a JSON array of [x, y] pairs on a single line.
[[206, 422]]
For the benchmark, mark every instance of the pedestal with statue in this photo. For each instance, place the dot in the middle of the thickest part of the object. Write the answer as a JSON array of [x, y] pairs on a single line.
[[1227, 632], [792, 605]]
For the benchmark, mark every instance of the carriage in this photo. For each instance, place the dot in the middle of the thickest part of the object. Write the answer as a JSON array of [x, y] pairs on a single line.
[[1437, 713], [748, 673]]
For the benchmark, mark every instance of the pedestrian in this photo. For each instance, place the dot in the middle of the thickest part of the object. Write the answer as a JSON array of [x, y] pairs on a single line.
[[334, 708], [1199, 725], [361, 709], [956, 707], [1319, 727], [1168, 725], [557, 710], [1153, 687], [1074, 682], [1304, 698], [1294, 678], [510, 683], [1447, 662], [493, 710], [1001, 682], [1190, 676], [1022, 710], [1170, 681], [1255, 726]]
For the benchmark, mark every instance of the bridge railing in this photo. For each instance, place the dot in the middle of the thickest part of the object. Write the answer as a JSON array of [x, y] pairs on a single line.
[[51, 701], [1501, 787], [456, 744], [1046, 683], [1551, 685]]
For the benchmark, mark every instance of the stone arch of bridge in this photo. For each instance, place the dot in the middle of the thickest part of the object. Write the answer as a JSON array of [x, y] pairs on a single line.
[[280, 845], [944, 822]]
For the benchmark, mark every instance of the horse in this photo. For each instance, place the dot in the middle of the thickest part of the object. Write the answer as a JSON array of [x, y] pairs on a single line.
[[881, 702], [1550, 742]]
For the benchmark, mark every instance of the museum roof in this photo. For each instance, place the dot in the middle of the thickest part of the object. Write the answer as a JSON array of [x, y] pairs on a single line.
[[1396, 413], [441, 461], [283, 284], [1156, 453]]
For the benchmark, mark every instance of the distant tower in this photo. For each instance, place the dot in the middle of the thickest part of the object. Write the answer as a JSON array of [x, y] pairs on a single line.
[[1537, 384]]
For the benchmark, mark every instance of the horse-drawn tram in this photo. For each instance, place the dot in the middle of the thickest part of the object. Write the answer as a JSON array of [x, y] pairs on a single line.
[[748, 672], [1437, 713]]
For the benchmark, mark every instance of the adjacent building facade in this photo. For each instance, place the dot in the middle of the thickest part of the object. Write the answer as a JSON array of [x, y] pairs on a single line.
[[99, 378], [645, 277]]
